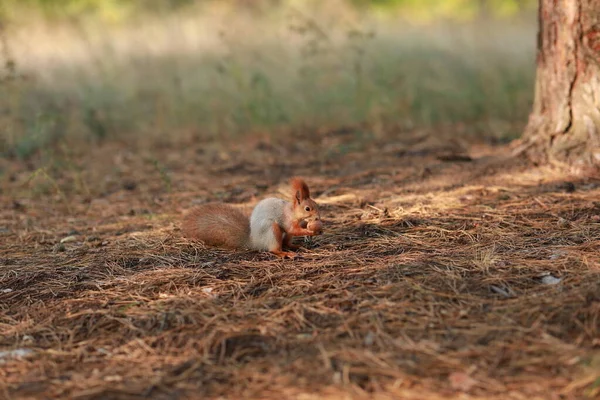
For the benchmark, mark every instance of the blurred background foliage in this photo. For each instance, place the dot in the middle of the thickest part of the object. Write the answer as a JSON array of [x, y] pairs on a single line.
[[121, 10], [78, 73]]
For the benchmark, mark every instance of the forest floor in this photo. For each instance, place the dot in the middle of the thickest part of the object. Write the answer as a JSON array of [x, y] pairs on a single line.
[[439, 275]]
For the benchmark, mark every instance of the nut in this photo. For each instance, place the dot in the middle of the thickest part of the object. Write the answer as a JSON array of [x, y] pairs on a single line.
[[315, 226]]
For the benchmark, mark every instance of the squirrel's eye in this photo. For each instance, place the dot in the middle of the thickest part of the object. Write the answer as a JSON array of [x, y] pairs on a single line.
[[307, 208]]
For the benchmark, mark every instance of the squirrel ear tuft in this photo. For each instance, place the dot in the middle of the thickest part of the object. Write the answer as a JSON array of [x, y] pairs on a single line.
[[300, 188]]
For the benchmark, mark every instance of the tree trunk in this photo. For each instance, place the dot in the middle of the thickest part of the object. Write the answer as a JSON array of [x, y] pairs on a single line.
[[564, 125]]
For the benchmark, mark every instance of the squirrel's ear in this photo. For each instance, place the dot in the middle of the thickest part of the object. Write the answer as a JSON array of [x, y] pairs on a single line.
[[300, 189]]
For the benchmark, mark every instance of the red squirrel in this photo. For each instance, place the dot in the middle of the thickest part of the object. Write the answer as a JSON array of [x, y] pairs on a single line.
[[271, 227]]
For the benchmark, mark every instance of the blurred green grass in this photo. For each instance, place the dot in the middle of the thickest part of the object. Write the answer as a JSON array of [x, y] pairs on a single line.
[[224, 75]]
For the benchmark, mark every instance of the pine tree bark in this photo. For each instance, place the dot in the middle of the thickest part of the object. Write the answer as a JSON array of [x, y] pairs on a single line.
[[564, 125]]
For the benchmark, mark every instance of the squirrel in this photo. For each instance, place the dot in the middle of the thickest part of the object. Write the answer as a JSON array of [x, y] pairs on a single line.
[[271, 227]]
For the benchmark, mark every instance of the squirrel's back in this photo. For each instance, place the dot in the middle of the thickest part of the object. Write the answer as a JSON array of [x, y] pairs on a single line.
[[218, 225]]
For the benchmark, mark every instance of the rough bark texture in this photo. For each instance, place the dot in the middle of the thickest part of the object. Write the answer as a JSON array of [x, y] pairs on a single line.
[[564, 125]]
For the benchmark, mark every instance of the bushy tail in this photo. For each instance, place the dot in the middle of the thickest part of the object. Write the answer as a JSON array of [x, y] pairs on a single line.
[[218, 225]]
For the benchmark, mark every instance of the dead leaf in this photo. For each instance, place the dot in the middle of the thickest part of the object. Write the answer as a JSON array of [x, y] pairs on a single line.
[[461, 381], [68, 239]]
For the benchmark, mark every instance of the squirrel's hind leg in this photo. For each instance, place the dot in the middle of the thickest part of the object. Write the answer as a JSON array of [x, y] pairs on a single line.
[[287, 242], [277, 246]]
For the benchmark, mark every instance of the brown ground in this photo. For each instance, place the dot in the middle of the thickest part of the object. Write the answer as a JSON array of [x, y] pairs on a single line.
[[427, 283]]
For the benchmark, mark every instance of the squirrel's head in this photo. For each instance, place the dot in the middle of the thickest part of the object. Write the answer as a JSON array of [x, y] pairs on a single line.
[[305, 208]]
